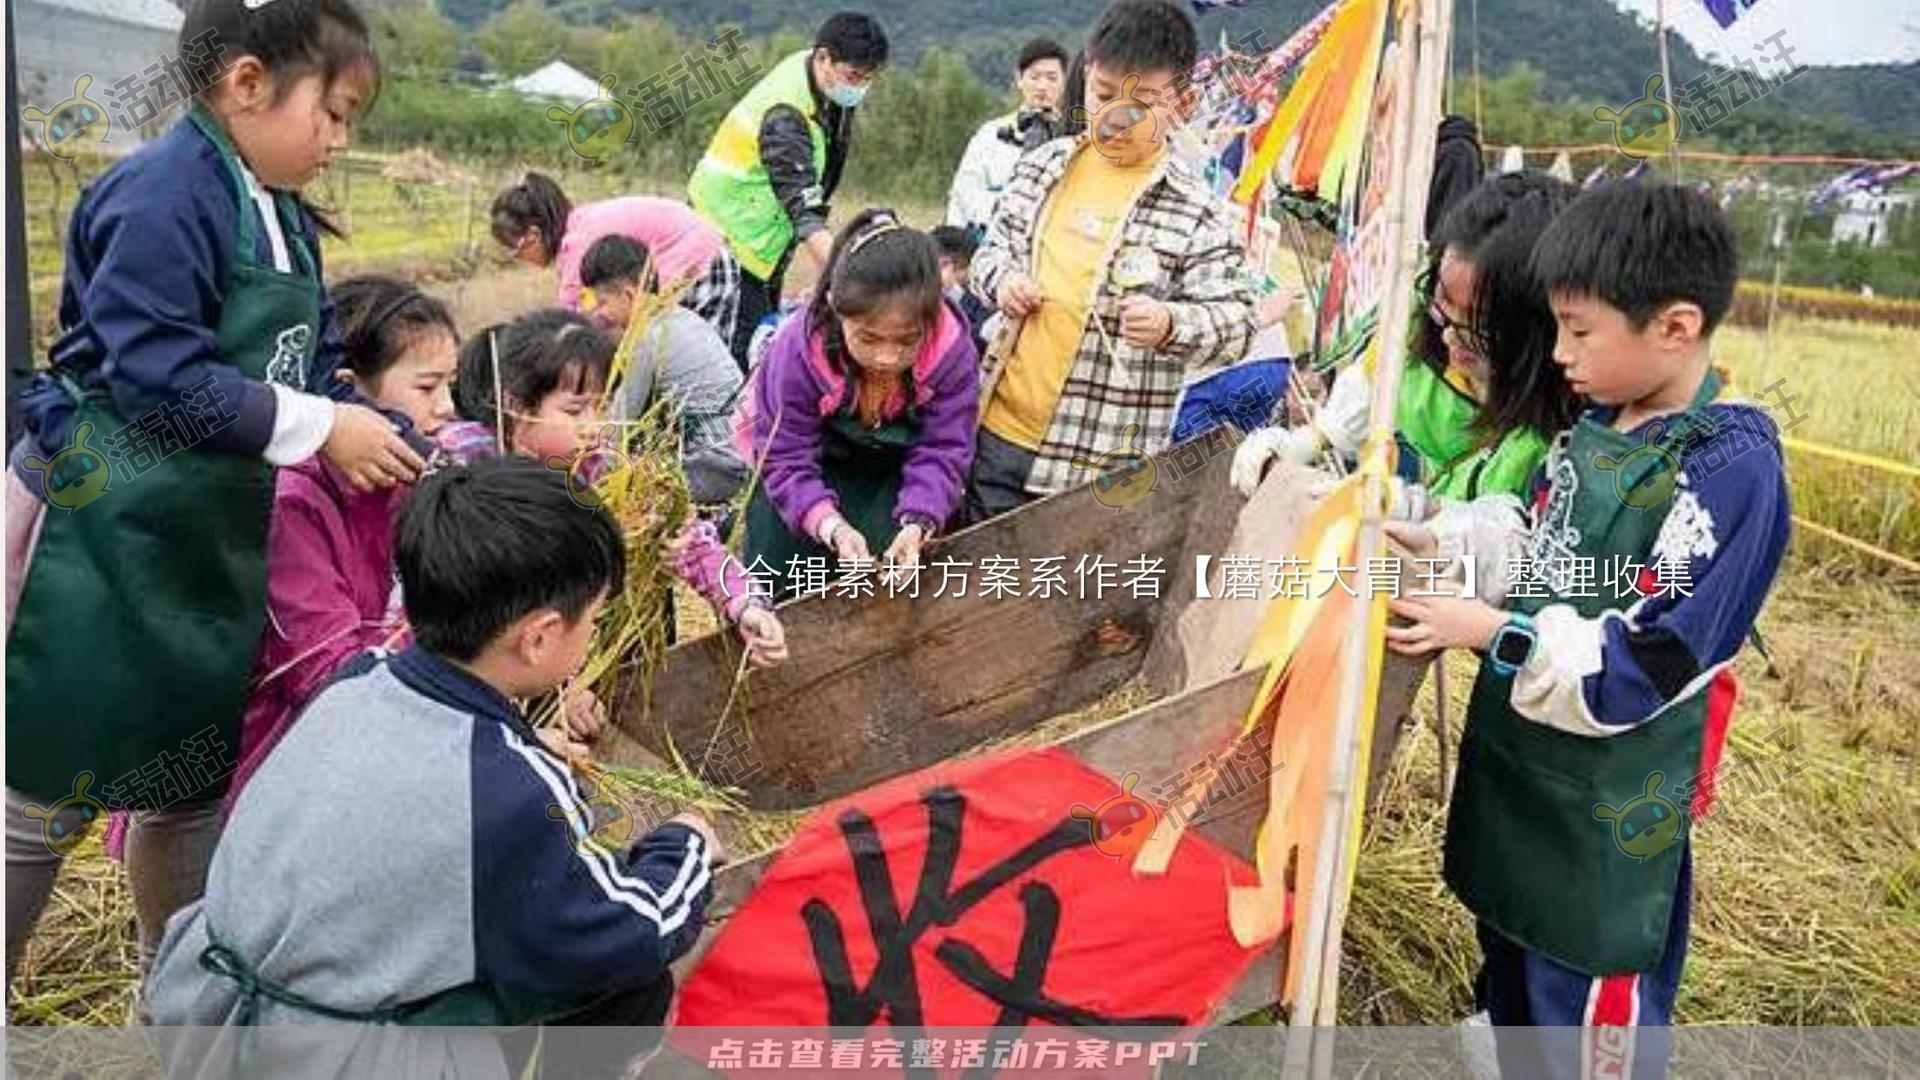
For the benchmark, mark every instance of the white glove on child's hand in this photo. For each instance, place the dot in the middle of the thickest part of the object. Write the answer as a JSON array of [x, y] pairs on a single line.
[[1343, 418], [1295, 446]]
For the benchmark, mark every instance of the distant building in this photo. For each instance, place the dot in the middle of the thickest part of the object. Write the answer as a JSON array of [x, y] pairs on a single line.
[[56, 42], [559, 81], [1867, 217]]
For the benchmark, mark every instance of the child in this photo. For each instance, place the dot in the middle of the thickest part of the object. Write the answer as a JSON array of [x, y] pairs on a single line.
[[552, 367], [1118, 270], [534, 219], [681, 357], [862, 413], [411, 853], [1594, 697], [198, 353], [957, 248], [331, 592], [1481, 396]]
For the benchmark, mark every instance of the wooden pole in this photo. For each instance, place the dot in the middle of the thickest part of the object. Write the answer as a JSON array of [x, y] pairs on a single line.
[[1666, 81], [1422, 29]]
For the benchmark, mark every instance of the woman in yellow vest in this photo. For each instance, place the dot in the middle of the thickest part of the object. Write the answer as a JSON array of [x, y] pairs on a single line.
[[777, 158]]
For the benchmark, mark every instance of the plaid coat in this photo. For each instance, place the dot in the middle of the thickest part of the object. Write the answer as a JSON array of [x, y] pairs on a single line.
[[1201, 276]]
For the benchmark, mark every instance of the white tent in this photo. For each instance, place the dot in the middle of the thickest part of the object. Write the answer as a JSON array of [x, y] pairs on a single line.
[[558, 80]]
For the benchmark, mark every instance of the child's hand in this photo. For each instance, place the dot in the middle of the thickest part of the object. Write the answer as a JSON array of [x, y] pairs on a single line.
[[556, 739], [1019, 295], [364, 445], [765, 637], [848, 544], [586, 715], [1409, 538], [1442, 622], [905, 549], [700, 825], [1145, 322]]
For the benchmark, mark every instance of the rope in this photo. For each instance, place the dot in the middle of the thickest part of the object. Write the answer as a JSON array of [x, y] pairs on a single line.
[[1717, 155], [1861, 546], [1853, 457]]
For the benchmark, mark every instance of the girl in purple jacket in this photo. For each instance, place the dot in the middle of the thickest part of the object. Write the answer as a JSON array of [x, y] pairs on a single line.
[[330, 579], [861, 416]]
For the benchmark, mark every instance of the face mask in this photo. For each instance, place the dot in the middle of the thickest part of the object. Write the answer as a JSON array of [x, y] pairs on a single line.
[[847, 97]]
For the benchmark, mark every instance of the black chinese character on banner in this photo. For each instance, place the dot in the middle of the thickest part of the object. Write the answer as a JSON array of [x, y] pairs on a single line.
[[893, 989]]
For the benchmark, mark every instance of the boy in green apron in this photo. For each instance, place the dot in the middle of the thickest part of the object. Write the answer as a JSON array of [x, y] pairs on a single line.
[[1596, 725], [196, 355]]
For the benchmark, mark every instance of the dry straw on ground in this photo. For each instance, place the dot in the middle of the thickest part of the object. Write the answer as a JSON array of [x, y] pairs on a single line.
[[1807, 908]]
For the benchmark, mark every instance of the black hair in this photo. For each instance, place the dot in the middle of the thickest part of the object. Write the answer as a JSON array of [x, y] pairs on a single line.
[[853, 38], [290, 38], [1040, 48], [483, 545], [1073, 96], [616, 260], [1143, 36], [379, 316], [537, 353], [535, 202], [875, 260], [1639, 247], [1494, 228], [955, 243]]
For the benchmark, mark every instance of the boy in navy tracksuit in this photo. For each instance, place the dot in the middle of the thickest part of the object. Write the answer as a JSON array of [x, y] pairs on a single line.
[[1600, 713], [412, 852]]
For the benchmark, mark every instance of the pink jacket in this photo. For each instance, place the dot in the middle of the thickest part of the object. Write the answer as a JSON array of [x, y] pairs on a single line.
[[331, 595], [681, 242]]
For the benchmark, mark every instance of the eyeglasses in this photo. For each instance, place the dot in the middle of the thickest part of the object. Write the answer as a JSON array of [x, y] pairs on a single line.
[[1460, 335]]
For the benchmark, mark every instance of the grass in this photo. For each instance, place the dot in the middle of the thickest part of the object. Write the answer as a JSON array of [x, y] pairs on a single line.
[[1808, 889]]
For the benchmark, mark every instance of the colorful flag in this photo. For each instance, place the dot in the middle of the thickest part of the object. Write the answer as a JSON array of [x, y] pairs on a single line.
[[1725, 11]]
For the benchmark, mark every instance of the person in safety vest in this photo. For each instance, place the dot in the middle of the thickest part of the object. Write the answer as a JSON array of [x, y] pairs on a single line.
[[776, 159]]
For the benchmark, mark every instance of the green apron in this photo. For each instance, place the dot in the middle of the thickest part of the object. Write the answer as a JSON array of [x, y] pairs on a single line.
[[466, 1005], [142, 610], [1526, 849], [862, 465]]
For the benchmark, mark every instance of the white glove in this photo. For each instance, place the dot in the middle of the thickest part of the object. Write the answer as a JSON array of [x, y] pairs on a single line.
[[1296, 446], [1342, 420]]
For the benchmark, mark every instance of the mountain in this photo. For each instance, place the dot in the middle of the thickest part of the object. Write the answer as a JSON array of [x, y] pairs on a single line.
[[1587, 51]]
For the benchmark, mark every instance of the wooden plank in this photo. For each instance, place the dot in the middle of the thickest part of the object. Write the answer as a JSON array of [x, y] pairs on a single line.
[[878, 686]]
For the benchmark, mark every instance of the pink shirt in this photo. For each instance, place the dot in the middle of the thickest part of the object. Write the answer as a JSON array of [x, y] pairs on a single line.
[[682, 242]]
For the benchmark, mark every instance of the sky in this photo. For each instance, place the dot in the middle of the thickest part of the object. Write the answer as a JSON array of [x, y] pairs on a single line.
[[1818, 31]]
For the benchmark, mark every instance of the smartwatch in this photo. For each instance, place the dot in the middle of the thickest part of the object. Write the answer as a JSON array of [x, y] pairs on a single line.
[[1512, 645]]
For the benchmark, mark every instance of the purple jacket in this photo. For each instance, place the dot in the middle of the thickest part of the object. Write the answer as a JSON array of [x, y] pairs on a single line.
[[795, 384], [330, 596]]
